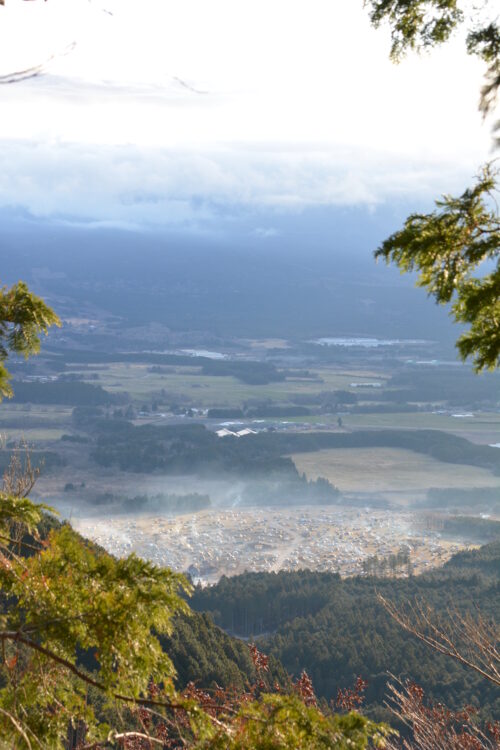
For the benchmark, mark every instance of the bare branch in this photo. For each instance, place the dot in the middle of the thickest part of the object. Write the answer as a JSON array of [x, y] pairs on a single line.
[[19, 478], [19, 638], [471, 641], [17, 726], [120, 736], [435, 726], [9, 540], [35, 70]]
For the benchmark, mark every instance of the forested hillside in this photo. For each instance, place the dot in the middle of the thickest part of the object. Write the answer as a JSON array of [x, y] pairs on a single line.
[[205, 654], [337, 628]]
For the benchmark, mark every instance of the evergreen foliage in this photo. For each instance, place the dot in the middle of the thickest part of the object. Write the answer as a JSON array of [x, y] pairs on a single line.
[[423, 24], [417, 24], [336, 628], [204, 654], [23, 317], [69, 597], [480, 498], [446, 248], [454, 386]]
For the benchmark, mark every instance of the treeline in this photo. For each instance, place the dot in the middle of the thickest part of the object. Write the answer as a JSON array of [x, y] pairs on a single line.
[[65, 392], [392, 408], [161, 502], [481, 498], [325, 398], [256, 412], [442, 446], [471, 528], [278, 411], [223, 413], [252, 372], [183, 449], [387, 564], [91, 357], [192, 448], [484, 560], [337, 629], [454, 385], [296, 491]]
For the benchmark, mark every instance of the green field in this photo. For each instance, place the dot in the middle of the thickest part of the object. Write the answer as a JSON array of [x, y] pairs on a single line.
[[483, 427], [185, 386], [217, 391], [34, 434], [34, 422], [10, 412]]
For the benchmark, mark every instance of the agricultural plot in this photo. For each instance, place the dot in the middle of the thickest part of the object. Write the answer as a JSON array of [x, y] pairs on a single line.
[[397, 474], [34, 423], [479, 427], [218, 391], [34, 435]]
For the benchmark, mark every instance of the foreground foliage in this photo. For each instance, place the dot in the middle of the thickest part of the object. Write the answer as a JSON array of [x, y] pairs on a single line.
[[285, 722], [418, 25], [23, 317], [446, 248], [64, 598], [65, 603]]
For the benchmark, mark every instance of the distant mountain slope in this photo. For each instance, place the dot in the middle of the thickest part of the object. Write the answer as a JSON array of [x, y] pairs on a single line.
[[301, 283]]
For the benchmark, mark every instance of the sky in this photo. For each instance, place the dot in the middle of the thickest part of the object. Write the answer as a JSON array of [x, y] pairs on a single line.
[[152, 113]]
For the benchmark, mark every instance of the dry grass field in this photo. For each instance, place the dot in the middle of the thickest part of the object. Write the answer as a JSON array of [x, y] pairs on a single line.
[[389, 470]]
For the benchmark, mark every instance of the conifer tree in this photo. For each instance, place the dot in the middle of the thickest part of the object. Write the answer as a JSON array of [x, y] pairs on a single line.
[[448, 246]]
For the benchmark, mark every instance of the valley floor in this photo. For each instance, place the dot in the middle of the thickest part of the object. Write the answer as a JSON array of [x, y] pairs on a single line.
[[229, 541]]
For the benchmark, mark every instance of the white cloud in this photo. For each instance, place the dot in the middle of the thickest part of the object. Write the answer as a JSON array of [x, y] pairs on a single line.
[[302, 107], [172, 186], [266, 232]]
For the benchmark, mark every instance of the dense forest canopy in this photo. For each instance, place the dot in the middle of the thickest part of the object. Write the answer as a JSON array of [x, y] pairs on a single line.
[[337, 628]]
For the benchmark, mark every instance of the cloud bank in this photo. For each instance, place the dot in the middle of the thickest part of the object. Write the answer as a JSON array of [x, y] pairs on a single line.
[[301, 108], [128, 185]]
